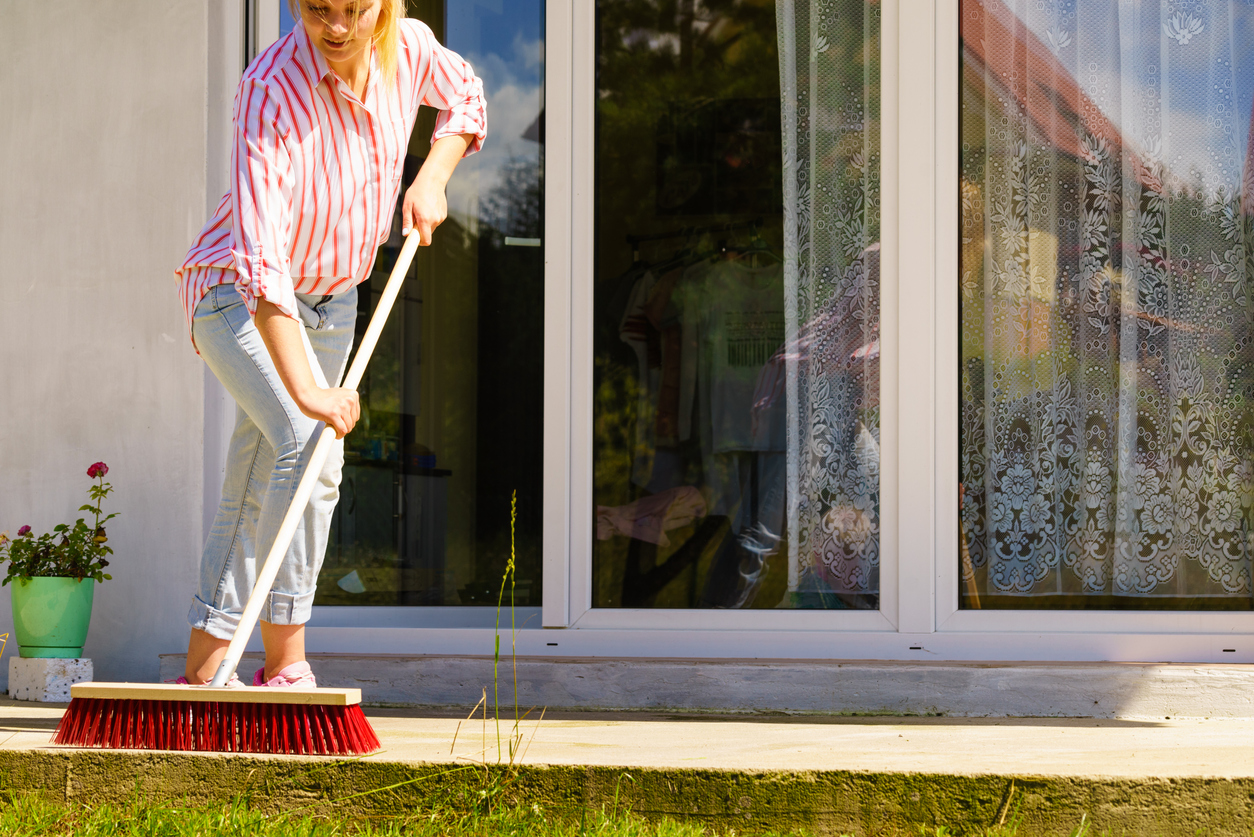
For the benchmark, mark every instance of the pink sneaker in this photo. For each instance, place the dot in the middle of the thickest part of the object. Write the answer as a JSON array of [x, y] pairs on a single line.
[[297, 674]]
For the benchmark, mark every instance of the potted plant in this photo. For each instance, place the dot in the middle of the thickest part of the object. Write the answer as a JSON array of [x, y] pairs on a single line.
[[53, 595]]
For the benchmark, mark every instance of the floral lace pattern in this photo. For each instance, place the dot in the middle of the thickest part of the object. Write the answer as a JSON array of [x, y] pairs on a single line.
[[829, 63], [1107, 319]]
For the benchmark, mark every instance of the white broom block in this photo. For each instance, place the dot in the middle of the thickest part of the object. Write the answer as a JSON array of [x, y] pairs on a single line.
[[212, 694], [265, 578]]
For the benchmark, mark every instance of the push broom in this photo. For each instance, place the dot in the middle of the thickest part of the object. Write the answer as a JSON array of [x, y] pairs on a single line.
[[248, 719]]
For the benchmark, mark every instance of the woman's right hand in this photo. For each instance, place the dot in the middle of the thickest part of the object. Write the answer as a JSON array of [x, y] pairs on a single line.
[[338, 407]]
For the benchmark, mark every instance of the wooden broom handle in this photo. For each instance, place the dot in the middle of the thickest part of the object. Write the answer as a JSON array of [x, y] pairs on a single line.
[[265, 578]]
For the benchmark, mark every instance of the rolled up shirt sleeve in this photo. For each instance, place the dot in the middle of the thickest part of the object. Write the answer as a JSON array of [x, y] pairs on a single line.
[[261, 202], [458, 94]]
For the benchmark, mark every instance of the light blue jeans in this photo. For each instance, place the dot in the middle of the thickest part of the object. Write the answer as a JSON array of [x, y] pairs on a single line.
[[268, 452]]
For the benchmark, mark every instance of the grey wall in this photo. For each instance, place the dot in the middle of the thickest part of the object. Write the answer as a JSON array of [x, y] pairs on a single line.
[[111, 110]]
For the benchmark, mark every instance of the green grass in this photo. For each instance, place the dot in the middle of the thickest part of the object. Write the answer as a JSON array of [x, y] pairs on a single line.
[[28, 815], [1010, 828]]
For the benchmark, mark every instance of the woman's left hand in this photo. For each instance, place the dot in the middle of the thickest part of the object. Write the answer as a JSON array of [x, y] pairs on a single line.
[[425, 208]]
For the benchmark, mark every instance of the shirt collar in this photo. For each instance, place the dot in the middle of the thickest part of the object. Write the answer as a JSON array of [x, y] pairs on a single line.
[[315, 64], [310, 59]]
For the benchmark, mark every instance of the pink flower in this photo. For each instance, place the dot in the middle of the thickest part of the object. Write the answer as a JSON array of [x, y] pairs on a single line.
[[23, 532], [98, 469]]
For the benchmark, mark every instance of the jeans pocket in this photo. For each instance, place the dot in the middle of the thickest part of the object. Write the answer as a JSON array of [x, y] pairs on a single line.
[[323, 313], [313, 310]]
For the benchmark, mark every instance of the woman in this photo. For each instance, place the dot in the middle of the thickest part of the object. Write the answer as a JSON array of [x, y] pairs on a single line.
[[322, 121]]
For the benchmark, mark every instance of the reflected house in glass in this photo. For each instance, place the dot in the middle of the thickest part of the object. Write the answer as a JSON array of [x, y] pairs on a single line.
[[1105, 432]]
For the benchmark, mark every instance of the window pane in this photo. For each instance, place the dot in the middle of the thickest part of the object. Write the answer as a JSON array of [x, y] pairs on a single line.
[[737, 304], [451, 419], [287, 22], [1107, 325]]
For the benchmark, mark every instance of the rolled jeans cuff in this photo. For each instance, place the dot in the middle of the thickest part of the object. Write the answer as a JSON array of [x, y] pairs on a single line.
[[279, 609]]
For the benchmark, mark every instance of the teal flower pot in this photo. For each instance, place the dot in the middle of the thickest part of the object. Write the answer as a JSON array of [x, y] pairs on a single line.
[[50, 615]]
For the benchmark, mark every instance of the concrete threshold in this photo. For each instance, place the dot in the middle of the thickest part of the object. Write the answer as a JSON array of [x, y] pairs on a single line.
[[831, 775], [823, 687]]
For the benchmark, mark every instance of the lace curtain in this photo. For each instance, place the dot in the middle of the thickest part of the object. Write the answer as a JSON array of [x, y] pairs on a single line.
[[1107, 446], [829, 70]]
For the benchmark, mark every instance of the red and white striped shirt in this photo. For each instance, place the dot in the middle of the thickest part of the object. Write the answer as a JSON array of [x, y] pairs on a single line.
[[315, 171]]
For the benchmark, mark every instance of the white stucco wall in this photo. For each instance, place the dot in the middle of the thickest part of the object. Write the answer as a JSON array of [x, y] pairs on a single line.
[[103, 148]]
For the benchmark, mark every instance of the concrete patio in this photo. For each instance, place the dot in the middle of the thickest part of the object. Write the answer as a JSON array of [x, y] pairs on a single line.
[[753, 773]]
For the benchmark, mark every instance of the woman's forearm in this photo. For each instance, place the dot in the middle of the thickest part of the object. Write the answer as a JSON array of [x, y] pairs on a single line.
[[425, 206], [338, 407], [282, 337], [445, 153]]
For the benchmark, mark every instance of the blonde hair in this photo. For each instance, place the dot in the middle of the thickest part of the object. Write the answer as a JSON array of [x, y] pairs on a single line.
[[386, 39]]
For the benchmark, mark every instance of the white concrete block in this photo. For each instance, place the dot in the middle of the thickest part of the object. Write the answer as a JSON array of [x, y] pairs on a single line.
[[46, 679], [1133, 691]]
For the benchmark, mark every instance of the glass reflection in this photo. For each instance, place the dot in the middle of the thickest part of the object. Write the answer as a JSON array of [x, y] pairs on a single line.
[[451, 405], [736, 400], [1107, 446]]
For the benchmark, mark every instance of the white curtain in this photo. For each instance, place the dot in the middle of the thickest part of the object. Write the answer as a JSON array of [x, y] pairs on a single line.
[[1108, 348], [829, 70]]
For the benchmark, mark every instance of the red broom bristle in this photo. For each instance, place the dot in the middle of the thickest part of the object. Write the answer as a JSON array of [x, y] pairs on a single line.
[[216, 727]]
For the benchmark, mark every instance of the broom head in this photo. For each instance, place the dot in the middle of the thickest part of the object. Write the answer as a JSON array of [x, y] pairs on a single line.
[[248, 719]]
